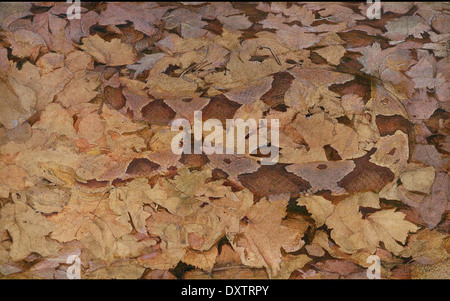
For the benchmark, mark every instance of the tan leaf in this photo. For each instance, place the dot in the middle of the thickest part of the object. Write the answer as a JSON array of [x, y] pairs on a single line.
[[93, 223], [427, 247], [129, 269], [319, 207], [28, 230], [290, 264], [114, 53], [352, 233], [332, 54], [405, 26], [419, 179], [201, 259], [259, 243]]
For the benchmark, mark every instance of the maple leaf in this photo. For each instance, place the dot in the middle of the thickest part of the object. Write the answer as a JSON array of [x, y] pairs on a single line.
[[325, 133], [189, 23], [143, 15], [260, 241], [302, 14], [438, 45], [337, 13], [297, 38], [405, 26], [195, 220], [114, 53], [424, 76], [319, 208], [235, 22], [352, 232]]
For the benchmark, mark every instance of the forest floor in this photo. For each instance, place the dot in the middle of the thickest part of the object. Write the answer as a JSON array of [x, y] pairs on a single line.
[[89, 181]]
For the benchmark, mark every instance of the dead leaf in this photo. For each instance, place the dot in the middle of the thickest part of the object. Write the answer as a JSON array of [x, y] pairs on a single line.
[[114, 53]]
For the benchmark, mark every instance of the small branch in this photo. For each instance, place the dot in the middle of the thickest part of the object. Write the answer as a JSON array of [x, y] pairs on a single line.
[[274, 55]]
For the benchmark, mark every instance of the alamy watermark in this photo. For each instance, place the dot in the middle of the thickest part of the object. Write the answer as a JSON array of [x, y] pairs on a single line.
[[374, 10], [74, 11], [374, 270], [74, 270], [250, 132]]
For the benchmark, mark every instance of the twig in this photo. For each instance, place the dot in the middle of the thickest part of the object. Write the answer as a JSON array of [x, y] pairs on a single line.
[[274, 55], [188, 69]]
